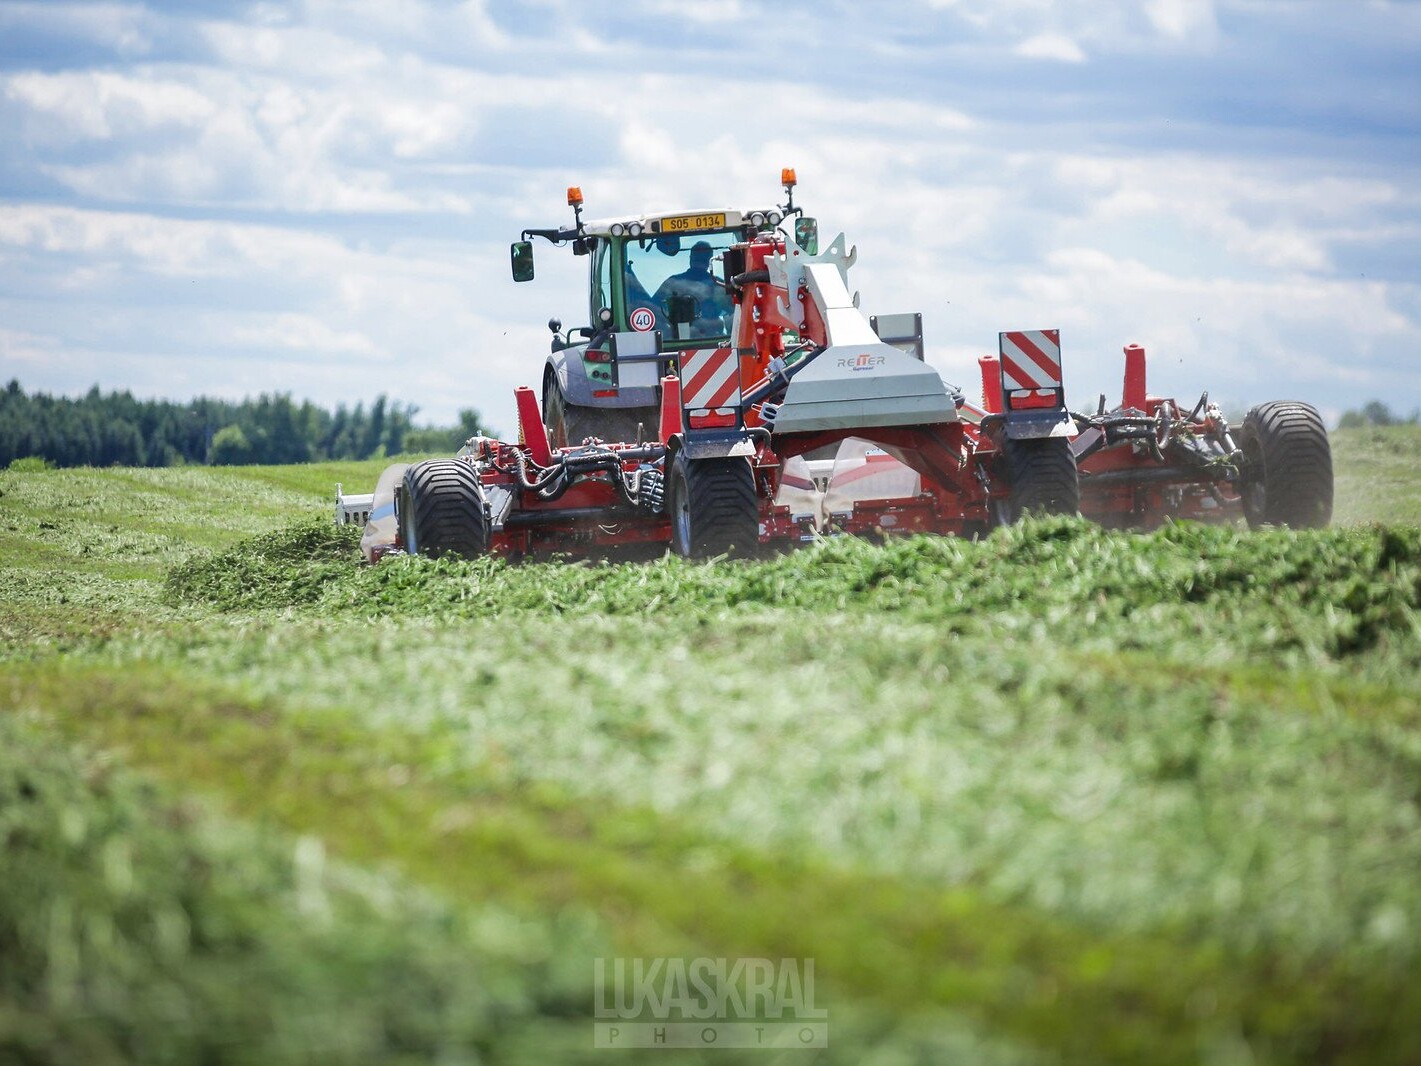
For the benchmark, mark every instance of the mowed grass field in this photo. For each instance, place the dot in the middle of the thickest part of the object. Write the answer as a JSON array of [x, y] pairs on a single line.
[[1057, 796]]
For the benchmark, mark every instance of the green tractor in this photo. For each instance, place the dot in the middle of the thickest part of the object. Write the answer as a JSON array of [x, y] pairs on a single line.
[[647, 273]]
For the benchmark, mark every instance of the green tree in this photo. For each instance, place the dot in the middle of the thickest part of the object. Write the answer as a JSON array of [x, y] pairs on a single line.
[[441, 440], [230, 447], [1376, 413], [374, 429], [103, 429]]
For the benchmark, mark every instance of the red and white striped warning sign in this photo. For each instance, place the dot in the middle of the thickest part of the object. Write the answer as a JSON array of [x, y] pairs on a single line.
[[710, 378], [1031, 359]]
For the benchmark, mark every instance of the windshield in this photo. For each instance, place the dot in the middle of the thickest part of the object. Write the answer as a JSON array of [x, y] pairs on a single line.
[[672, 285]]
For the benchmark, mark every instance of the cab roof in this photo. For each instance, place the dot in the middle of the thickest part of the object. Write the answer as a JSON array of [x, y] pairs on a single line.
[[655, 224]]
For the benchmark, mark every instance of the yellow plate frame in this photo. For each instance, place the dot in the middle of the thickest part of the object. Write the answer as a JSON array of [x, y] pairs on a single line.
[[692, 223]]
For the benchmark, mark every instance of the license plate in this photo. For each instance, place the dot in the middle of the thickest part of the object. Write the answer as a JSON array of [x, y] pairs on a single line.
[[687, 223]]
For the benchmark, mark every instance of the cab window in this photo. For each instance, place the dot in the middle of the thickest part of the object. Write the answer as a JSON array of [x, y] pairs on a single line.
[[601, 279], [673, 284]]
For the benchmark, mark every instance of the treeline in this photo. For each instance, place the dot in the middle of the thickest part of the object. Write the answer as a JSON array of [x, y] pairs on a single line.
[[1376, 413], [113, 428]]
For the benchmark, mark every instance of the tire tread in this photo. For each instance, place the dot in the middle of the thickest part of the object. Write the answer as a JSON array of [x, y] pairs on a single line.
[[615, 425], [448, 508], [1290, 440], [724, 506], [1043, 477]]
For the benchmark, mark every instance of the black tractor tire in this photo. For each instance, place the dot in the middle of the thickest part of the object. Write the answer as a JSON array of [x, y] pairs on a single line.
[[713, 506], [1286, 478], [569, 424], [1041, 474], [441, 510]]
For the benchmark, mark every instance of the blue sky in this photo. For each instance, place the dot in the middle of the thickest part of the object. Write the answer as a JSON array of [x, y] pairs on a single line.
[[317, 197]]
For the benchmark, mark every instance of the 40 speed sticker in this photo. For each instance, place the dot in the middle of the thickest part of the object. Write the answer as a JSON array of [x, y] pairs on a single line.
[[643, 319]]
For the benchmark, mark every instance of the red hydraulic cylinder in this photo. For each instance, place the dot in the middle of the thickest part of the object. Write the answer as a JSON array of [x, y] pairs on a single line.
[[991, 384], [530, 426], [1134, 394], [670, 423]]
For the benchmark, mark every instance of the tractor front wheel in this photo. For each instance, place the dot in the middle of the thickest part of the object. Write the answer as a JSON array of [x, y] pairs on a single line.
[[1287, 466], [1042, 477], [569, 424], [713, 506], [441, 510]]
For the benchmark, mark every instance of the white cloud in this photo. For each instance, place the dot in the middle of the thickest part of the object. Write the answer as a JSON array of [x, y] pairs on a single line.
[[412, 25], [299, 53], [21, 351], [320, 318], [222, 139], [706, 12], [163, 247], [125, 28], [1243, 337], [1183, 20], [302, 333], [349, 174], [1051, 46], [99, 105], [1063, 29]]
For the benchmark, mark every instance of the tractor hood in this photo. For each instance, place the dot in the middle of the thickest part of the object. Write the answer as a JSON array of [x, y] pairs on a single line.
[[848, 386]]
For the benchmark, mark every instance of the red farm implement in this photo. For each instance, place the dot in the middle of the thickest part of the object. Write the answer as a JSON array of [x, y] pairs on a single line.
[[729, 396]]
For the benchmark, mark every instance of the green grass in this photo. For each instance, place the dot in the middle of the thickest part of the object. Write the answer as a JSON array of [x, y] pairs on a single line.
[[1061, 795], [1376, 474], [137, 927]]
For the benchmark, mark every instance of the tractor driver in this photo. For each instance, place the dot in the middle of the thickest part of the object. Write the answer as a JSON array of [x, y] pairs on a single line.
[[697, 282]]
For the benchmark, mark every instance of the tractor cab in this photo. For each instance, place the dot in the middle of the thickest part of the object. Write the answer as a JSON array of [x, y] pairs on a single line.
[[648, 274], [656, 273]]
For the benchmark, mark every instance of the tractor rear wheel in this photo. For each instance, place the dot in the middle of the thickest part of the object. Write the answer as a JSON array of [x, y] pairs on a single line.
[[441, 510], [1287, 466], [569, 424], [1042, 477], [713, 506]]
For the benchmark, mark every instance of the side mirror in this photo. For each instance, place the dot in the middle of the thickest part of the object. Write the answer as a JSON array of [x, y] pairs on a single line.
[[806, 234], [521, 254]]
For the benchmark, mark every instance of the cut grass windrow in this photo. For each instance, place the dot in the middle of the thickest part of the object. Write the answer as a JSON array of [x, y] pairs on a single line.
[[1329, 593]]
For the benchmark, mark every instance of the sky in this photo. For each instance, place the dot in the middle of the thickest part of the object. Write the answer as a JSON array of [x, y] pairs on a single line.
[[316, 197]]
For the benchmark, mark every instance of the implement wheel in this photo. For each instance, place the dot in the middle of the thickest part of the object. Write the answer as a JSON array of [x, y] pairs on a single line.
[[1042, 477], [713, 507], [441, 510], [1287, 466], [569, 424]]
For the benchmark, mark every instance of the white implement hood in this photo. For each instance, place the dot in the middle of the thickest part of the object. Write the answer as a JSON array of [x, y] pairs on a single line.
[[853, 385]]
